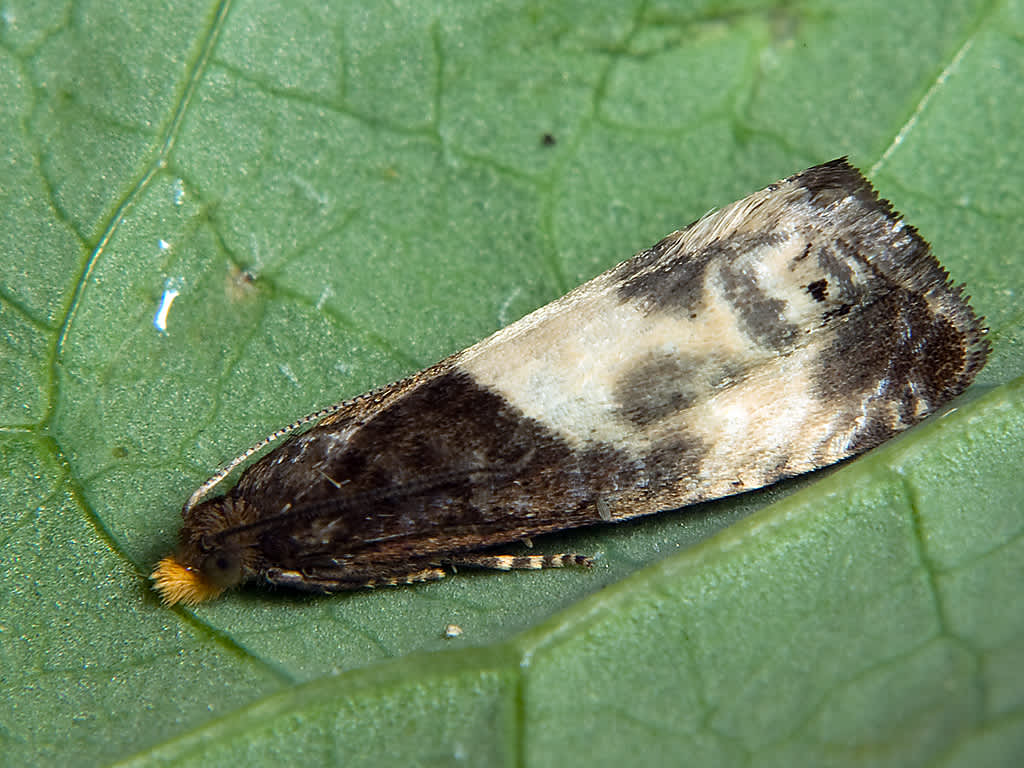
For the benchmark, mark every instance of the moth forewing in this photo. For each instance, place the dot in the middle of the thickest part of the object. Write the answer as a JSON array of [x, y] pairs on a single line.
[[792, 329]]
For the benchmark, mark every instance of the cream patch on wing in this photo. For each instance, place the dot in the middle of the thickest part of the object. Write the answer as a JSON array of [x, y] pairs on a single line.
[[565, 364], [730, 369], [566, 370]]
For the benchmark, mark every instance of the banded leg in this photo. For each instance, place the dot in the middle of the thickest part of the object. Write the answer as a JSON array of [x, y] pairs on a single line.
[[518, 562], [324, 582], [414, 577]]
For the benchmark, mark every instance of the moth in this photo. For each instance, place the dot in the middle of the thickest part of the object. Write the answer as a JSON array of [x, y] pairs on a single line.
[[792, 329]]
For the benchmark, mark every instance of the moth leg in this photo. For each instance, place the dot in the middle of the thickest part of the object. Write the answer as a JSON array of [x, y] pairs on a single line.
[[324, 582], [518, 562], [413, 577]]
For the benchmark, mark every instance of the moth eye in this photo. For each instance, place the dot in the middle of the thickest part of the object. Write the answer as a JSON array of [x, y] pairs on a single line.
[[223, 568]]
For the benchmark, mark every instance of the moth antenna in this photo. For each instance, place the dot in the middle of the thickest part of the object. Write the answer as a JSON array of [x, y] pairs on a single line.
[[230, 467]]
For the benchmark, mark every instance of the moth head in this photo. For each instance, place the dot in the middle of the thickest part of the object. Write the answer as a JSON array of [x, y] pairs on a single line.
[[216, 553]]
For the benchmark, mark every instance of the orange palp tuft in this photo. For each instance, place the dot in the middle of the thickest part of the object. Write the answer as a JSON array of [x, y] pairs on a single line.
[[179, 583]]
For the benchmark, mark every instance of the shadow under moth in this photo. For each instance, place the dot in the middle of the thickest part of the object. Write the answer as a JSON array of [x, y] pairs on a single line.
[[797, 327]]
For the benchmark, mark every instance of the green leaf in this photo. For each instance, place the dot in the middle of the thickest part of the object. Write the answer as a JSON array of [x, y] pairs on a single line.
[[342, 195]]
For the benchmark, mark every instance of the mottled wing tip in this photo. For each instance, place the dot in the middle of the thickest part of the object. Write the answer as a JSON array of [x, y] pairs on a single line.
[[179, 583], [837, 179], [835, 174], [907, 260]]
